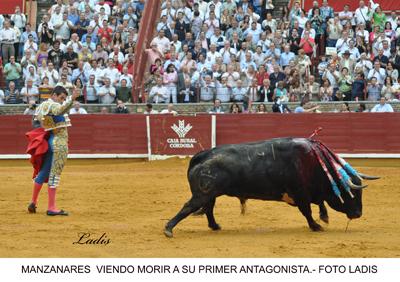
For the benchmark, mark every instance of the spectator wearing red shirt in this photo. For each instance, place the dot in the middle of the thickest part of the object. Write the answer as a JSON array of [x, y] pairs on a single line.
[[105, 31], [261, 75], [307, 43], [118, 65]]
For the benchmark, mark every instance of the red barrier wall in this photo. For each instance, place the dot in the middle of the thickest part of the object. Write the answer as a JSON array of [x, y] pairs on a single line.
[[127, 134], [89, 134], [8, 6], [106, 134], [345, 133]]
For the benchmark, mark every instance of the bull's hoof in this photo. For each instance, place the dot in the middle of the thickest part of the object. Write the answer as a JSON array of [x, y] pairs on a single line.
[[324, 218], [168, 233], [316, 227], [215, 227]]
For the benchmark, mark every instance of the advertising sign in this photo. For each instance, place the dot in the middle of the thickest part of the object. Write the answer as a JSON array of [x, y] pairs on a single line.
[[180, 135]]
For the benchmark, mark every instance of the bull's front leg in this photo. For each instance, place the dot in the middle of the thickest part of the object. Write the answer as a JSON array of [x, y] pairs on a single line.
[[305, 208], [191, 206]]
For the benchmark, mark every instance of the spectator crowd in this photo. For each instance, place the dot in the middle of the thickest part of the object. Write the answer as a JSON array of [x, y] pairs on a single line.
[[229, 51], [83, 45]]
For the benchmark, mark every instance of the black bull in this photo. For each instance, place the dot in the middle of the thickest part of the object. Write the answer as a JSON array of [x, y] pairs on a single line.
[[282, 169]]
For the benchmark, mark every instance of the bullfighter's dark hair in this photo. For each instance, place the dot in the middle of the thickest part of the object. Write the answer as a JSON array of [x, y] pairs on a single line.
[[58, 90]]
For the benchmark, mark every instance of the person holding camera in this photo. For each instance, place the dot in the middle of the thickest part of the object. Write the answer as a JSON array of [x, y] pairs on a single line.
[[46, 34], [121, 108], [31, 109]]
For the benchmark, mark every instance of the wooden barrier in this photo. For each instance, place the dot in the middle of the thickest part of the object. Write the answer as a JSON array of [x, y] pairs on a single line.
[[343, 132], [356, 133]]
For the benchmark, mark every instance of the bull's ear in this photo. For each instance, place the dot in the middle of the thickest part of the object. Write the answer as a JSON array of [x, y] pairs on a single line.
[[368, 177]]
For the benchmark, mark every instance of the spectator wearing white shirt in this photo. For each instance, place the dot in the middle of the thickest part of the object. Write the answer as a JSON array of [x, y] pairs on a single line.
[[7, 38], [361, 31], [63, 28], [254, 32], [77, 110], [107, 93], [18, 18], [286, 56], [30, 92], [217, 38], [377, 72], [259, 56], [223, 91], [362, 14], [161, 41], [127, 76], [116, 52], [214, 6], [101, 5], [212, 22], [393, 20], [59, 5], [112, 73], [92, 89], [354, 52], [346, 15], [159, 93], [227, 52], [343, 43], [172, 61], [364, 64], [169, 110], [271, 22], [212, 54], [31, 73], [56, 17], [31, 45], [96, 71], [79, 72], [239, 92], [169, 12], [332, 75], [382, 107], [247, 62], [207, 90], [75, 43], [51, 74]]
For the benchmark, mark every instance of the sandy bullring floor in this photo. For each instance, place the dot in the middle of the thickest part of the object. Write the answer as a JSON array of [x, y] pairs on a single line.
[[130, 201]]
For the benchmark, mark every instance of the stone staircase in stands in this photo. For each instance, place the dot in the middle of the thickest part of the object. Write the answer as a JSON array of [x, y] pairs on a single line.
[[42, 7], [279, 4]]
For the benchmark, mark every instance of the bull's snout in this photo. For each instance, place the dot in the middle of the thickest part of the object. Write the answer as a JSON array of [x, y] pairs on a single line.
[[354, 215]]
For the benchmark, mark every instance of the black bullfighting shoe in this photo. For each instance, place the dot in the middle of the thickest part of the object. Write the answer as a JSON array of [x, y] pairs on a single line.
[[53, 213], [32, 208]]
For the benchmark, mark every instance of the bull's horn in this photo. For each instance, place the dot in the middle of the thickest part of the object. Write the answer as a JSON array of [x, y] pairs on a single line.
[[356, 187], [368, 177]]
